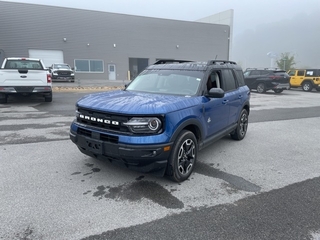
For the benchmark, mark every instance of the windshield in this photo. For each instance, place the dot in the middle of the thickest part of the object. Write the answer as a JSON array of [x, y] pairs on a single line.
[[181, 82], [58, 66]]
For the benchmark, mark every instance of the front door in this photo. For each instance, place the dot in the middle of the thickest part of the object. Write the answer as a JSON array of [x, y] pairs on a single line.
[[296, 77], [112, 71]]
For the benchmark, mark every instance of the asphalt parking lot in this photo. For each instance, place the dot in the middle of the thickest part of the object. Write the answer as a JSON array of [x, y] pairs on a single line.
[[264, 187]]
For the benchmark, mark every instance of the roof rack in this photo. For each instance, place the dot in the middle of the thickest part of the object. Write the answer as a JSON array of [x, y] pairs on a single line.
[[221, 62], [275, 69], [251, 69], [164, 61]]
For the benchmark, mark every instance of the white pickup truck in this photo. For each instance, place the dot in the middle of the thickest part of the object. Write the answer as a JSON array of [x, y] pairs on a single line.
[[24, 76]]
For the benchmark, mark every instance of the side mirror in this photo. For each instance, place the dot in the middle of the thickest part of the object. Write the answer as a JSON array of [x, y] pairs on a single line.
[[215, 93]]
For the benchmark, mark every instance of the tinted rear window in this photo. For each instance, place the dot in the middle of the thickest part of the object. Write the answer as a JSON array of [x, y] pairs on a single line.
[[23, 64], [240, 78]]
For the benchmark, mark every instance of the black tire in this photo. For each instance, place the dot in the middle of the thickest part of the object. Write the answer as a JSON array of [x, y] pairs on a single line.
[[318, 89], [307, 86], [242, 126], [278, 90], [183, 157], [261, 88], [48, 98]]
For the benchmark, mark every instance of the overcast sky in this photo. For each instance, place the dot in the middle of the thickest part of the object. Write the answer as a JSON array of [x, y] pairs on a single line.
[[247, 13]]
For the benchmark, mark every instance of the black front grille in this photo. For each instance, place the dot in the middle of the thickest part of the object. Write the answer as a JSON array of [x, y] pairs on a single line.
[[64, 73], [102, 137], [109, 138], [84, 132], [106, 121]]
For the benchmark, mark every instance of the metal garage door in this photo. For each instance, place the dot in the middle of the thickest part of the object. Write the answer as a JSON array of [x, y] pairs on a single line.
[[48, 56]]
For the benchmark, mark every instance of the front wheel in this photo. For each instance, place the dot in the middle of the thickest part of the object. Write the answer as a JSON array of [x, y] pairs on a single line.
[[242, 126], [261, 88], [307, 86], [183, 157]]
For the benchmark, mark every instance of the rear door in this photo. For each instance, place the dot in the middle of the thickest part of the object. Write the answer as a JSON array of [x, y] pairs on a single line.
[[233, 95]]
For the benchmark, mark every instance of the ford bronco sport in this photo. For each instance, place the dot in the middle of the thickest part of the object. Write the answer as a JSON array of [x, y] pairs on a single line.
[[160, 121]]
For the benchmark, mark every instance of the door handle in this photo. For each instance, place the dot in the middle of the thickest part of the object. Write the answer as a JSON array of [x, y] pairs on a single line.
[[225, 101]]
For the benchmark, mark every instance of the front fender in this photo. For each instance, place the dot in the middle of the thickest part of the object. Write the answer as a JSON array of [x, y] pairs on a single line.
[[193, 125]]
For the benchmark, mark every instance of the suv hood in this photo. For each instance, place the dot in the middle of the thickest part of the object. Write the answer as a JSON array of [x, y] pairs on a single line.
[[127, 102]]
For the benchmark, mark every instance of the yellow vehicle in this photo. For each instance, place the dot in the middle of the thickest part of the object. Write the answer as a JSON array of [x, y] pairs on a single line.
[[305, 78]]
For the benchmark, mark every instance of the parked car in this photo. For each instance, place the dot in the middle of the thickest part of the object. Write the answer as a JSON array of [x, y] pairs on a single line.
[[164, 116], [62, 72], [24, 76], [263, 80], [305, 78]]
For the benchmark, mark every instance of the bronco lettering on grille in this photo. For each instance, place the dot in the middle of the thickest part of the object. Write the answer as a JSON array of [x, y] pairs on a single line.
[[99, 120]]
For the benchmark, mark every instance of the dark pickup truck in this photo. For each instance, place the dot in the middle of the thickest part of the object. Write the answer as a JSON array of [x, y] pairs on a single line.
[[61, 72]]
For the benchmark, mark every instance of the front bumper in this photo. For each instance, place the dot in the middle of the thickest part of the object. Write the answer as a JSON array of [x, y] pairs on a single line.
[[57, 77], [142, 158]]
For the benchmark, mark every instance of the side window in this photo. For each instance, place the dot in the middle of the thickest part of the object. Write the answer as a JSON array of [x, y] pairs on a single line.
[[291, 72], [240, 78], [214, 80], [300, 73], [255, 72], [310, 73], [228, 80]]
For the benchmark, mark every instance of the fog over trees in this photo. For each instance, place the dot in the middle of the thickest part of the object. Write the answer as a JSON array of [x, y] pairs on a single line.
[[298, 35]]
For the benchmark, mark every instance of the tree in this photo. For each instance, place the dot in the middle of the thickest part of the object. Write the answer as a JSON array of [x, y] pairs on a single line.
[[286, 61]]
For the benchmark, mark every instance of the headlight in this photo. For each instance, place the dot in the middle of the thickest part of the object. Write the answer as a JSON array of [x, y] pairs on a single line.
[[144, 125]]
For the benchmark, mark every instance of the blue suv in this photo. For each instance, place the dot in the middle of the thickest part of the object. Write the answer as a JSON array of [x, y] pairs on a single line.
[[160, 121]]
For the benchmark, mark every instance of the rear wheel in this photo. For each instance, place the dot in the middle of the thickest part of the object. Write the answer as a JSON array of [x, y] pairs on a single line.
[[242, 126], [307, 86], [183, 157], [261, 88], [278, 90], [48, 98]]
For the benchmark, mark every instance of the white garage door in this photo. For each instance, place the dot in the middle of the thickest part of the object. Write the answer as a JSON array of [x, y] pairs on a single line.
[[48, 56]]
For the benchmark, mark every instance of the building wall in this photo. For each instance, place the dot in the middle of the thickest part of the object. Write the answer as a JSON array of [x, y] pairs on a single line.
[[225, 17], [114, 38]]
